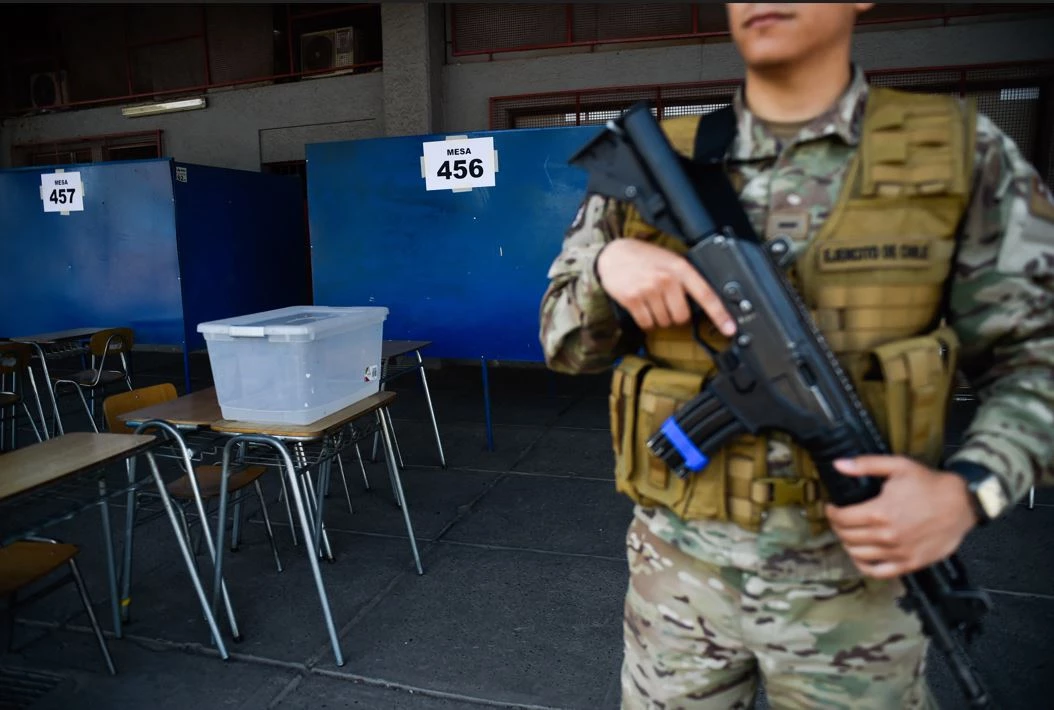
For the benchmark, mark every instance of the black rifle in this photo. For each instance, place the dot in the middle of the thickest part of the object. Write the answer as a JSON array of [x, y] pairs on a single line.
[[778, 373]]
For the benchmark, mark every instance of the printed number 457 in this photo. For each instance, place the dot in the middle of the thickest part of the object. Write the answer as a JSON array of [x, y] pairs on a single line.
[[62, 195], [461, 169]]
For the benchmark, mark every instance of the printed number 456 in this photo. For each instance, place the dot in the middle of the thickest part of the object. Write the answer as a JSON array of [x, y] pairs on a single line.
[[62, 195], [461, 169]]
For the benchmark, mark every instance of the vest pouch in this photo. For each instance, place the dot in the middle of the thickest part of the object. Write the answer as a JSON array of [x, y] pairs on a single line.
[[907, 390], [702, 494], [622, 405]]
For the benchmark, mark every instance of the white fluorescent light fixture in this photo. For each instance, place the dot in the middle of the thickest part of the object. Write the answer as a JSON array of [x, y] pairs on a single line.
[[163, 107]]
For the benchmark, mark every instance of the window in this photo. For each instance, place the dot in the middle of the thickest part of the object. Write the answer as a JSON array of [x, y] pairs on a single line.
[[598, 106], [66, 56], [120, 146]]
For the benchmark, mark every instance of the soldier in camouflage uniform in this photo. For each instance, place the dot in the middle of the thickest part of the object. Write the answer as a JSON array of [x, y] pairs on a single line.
[[710, 605]]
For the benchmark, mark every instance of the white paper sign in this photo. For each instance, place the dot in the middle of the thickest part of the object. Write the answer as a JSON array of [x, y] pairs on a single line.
[[459, 164], [62, 192]]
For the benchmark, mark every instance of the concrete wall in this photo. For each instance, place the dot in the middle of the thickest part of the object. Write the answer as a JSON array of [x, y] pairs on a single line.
[[437, 60], [408, 77], [469, 83], [240, 128]]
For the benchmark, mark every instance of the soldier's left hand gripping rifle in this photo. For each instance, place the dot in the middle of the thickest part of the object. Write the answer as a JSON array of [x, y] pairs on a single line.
[[778, 373]]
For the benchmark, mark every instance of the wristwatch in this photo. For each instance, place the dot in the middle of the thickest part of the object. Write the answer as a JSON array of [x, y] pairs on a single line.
[[987, 493]]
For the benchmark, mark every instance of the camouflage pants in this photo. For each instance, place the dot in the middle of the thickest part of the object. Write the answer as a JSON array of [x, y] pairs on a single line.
[[697, 637]]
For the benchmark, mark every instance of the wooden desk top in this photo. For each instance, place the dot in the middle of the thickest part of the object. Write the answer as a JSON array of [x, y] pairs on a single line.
[[191, 411], [308, 432], [395, 348], [25, 469], [59, 335], [202, 410]]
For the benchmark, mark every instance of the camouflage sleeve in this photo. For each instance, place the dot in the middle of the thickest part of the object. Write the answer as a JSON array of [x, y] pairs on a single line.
[[1001, 304], [579, 329]]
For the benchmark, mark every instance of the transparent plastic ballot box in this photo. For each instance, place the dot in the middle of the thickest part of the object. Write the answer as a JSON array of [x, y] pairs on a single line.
[[295, 365]]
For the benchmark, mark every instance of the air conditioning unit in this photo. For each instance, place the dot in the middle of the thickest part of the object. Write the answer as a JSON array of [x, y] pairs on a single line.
[[48, 89], [328, 49]]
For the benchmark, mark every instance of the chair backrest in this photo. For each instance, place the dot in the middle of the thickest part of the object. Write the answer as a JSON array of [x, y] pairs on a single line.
[[14, 357], [117, 404], [113, 340]]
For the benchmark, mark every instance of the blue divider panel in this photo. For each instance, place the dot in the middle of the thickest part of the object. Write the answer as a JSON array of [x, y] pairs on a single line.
[[150, 251], [241, 244], [464, 270], [113, 264]]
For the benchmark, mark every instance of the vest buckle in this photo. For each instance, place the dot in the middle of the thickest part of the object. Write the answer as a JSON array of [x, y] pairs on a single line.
[[776, 492]]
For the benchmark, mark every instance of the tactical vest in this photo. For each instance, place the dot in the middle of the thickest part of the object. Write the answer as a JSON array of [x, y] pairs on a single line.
[[904, 196]]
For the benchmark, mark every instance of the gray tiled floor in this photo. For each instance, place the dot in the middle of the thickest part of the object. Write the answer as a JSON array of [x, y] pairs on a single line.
[[520, 603]]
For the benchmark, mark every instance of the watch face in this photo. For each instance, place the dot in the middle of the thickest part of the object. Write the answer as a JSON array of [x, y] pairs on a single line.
[[991, 496]]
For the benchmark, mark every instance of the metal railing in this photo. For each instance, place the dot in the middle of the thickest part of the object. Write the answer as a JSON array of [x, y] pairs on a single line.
[[496, 19]]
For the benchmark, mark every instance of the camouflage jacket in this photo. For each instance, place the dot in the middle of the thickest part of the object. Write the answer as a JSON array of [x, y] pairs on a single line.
[[1001, 305]]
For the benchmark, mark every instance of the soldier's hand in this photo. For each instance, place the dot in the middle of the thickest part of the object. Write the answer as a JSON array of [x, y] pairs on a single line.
[[920, 517], [653, 284]]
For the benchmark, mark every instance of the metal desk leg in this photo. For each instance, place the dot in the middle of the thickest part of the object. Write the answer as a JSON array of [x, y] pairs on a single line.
[[431, 409], [305, 527], [314, 508], [111, 565], [206, 534], [344, 480], [320, 537], [40, 407], [188, 559], [384, 419], [51, 390], [362, 467], [377, 434], [129, 532]]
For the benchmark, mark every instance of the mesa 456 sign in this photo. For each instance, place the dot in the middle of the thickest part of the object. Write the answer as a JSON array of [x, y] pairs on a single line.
[[459, 163]]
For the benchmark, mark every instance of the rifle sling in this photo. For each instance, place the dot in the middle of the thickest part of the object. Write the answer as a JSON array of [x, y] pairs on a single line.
[[713, 136]]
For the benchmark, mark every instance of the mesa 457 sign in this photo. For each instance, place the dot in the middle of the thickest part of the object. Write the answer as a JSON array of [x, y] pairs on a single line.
[[459, 163], [62, 192]]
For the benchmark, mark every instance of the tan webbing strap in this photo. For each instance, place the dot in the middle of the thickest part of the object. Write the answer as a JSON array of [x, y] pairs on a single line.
[[877, 296], [623, 396], [893, 319], [911, 145], [923, 381], [857, 341], [615, 410], [814, 511], [658, 408], [745, 462]]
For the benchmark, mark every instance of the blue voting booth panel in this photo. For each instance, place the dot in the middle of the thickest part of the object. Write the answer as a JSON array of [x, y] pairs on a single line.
[[159, 247], [465, 270], [114, 263], [241, 244]]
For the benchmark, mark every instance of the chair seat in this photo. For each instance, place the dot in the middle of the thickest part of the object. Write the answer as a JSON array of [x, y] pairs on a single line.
[[209, 478], [85, 378], [9, 398], [22, 563]]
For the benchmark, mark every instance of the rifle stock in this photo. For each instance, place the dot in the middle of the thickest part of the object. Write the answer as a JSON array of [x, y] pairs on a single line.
[[777, 373]]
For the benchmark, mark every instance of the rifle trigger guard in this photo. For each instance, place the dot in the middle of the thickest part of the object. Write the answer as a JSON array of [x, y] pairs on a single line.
[[697, 324]]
